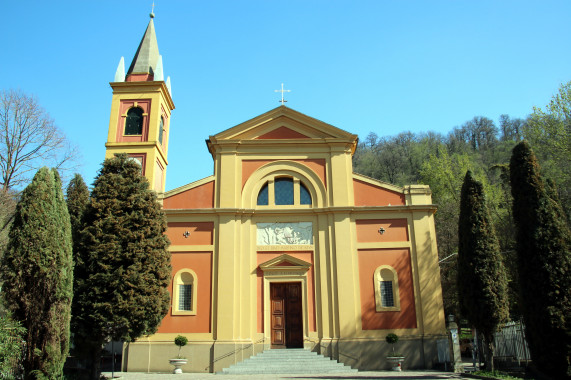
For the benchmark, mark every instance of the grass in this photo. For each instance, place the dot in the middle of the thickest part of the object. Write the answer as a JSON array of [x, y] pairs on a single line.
[[497, 375]]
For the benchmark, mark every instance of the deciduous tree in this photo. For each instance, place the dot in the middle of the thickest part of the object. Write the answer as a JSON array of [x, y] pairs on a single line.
[[29, 139], [544, 264], [124, 266], [548, 130], [37, 271]]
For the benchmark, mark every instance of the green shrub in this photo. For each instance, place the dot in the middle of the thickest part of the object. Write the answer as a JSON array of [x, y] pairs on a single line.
[[180, 341], [11, 346], [392, 339]]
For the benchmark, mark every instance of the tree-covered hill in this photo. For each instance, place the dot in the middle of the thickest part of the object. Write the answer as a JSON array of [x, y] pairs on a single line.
[[484, 147]]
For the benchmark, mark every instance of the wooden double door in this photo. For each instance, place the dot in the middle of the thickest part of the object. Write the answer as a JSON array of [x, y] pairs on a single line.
[[287, 315]]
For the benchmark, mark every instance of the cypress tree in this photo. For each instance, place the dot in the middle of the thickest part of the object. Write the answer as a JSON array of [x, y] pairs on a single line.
[[482, 281], [37, 271], [543, 242], [124, 269], [77, 199]]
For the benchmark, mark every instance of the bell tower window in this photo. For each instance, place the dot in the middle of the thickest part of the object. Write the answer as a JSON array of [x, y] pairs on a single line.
[[161, 130], [134, 122]]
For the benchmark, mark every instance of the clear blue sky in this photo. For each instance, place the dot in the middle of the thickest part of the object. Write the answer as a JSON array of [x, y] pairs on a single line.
[[363, 66]]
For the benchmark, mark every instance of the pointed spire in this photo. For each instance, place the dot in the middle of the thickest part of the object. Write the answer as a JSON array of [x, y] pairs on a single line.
[[120, 73], [159, 69], [147, 55], [169, 85]]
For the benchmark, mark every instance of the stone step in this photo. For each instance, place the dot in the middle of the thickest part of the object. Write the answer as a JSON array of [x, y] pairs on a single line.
[[263, 371], [289, 357], [292, 364], [293, 361], [288, 353]]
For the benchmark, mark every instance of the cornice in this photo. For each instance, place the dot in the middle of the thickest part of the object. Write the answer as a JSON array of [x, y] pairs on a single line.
[[143, 86], [360, 210], [287, 112], [189, 186], [379, 183]]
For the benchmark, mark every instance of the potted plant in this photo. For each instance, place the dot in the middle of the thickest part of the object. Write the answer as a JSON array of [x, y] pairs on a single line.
[[395, 358], [179, 361]]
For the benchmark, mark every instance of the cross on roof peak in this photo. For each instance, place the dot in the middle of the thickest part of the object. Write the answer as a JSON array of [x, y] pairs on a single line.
[[282, 101]]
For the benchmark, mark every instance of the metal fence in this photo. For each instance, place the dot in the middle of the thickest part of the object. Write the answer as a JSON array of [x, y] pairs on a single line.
[[510, 342]]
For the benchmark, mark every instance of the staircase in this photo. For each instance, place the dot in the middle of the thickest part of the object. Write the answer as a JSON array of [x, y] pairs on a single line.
[[290, 361]]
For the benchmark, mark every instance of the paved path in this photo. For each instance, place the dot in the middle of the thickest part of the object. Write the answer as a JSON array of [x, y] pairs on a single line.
[[385, 375]]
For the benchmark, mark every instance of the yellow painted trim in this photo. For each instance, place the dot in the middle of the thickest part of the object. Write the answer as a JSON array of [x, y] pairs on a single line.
[[377, 278], [283, 247], [189, 186], [275, 113], [191, 248], [378, 183], [142, 87], [381, 245], [177, 280], [298, 265], [388, 212], [169, 337], [270, 171], [285, 276]]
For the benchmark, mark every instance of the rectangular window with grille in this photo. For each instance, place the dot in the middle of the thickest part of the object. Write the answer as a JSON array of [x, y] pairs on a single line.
[[185, 297], [387, 299]]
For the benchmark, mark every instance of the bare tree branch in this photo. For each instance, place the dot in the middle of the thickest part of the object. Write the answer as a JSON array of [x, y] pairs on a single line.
[[29, 139]]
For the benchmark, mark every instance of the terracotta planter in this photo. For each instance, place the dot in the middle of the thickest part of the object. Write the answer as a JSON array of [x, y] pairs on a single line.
[[396, 362], [177, 363]]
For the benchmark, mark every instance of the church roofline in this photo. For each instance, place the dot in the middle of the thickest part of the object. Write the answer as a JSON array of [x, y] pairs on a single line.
[[189, 186], [377, 182], [282, 111]]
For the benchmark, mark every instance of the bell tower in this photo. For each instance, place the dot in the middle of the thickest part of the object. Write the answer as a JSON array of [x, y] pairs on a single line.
[[140, 111]]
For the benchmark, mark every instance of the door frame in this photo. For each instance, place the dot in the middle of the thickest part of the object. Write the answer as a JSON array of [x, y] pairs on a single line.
[[279, 275]]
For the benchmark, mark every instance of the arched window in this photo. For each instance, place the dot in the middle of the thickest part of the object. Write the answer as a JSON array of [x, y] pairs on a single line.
[[385, 281], [161, 130], [263, 196], [304, 196], [134, 122], [184, 292], [284, 191]]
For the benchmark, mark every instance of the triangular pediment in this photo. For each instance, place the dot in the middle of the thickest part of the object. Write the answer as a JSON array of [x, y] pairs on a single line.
[[283, 123], [282, 133], [285, 262]]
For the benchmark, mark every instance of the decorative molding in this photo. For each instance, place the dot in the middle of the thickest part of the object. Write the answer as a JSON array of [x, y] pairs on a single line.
[[300, 233], [274, 265], [293, 247]]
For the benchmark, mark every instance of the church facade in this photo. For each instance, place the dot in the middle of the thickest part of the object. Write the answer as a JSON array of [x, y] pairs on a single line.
[[283, 246]]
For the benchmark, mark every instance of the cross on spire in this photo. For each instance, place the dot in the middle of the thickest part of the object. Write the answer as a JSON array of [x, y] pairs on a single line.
[[153, 10], [282, 101]]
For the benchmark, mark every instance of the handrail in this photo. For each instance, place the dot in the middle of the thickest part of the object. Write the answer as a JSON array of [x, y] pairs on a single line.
[[214, 360]]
